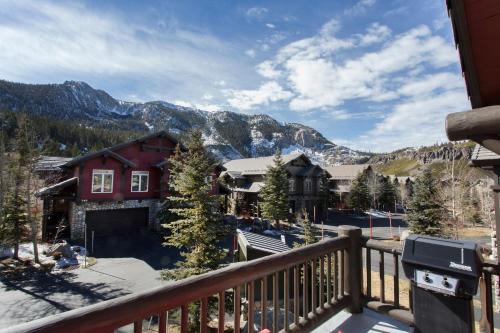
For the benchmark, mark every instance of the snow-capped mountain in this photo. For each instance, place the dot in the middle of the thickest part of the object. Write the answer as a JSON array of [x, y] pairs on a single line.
[[228, 135]]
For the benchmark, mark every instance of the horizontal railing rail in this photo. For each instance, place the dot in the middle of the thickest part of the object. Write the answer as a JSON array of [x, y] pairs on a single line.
[[490, 269], [311, 283], [393, 308]]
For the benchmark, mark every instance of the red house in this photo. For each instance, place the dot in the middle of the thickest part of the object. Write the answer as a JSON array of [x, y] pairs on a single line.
[[115, 190]]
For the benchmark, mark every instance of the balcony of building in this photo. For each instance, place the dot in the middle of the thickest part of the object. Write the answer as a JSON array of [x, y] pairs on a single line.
[[325, 287]]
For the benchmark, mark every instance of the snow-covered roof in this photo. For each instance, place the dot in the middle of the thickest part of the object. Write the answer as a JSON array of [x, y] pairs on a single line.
[[346, 171], [253, 187], [56, 187], [51, 163], [262, 243], [258, 165], [484, 157]]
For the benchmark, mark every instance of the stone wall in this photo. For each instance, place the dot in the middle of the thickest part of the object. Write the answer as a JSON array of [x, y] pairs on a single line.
[[77, 212]]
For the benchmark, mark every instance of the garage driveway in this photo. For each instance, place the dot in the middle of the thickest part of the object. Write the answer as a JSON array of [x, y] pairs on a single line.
[[125, 264], [36, 294], [145, 246]]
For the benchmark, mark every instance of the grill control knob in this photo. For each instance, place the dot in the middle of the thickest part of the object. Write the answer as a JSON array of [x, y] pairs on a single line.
[[427, 278], [446, 284]]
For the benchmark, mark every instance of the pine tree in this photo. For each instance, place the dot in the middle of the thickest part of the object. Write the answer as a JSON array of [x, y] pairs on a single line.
[[426, 210], [199, 230], [14, 214], [274, 194], [310, 230], [28, 157], [359, 196], [388, 195], [5, 232]]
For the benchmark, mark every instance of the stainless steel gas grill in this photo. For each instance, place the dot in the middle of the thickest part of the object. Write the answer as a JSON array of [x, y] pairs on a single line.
[[444, 277]]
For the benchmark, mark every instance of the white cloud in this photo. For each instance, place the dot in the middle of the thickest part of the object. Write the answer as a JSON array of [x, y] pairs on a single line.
[[251, 53], [257, 12], [345, 114], [376, 33], [413, 122], [410, 77], [207, 97], [57, 41], [208, 107], [267, 70], [313, 73], [220, 83], [270, 25], [201, 106], [248, 99], [360, 7], [431, 83]]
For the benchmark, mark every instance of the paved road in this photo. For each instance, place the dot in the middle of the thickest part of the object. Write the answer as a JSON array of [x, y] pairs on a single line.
[[125, 264]]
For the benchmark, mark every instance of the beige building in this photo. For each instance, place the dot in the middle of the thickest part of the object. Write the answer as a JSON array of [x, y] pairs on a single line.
[[245, 177]]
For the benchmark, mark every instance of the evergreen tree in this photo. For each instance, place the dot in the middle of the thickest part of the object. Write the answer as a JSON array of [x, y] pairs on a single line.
[[4, 227], [199, 230], [28, 157], [274, 194], [323, 194], [426, 210], [388, 195], [359, 196], [14, 214], [310, 230]]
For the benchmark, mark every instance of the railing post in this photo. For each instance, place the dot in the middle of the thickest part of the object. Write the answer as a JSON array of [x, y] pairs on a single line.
[[353, 267]]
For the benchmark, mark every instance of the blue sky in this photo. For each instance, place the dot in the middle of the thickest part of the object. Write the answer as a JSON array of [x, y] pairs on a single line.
[[370, 74]]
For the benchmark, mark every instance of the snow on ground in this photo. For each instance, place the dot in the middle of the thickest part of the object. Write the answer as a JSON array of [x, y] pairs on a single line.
[[26, 253]]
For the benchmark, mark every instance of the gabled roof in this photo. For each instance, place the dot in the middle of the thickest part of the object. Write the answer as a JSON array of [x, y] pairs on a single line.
[[311, 170], [259, 165], [346, 171], [484, 157], [110, 151], [262, 243], [51, 163]]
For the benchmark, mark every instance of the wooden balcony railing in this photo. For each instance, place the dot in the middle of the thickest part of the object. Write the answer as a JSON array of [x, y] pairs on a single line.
[[486, 290], [376, 300], [310, 283]]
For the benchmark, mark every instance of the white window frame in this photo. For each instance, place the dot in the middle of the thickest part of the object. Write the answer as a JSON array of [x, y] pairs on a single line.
[[209, 179], [139, 173], [291, 185], [102, 172]]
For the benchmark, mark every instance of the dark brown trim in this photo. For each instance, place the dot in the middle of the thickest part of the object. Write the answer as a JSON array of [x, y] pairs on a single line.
[[456, 10], [155, 148], [110, 150]]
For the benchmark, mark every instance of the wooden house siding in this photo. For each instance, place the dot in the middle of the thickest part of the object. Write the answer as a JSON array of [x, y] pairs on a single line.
[[144, 155]]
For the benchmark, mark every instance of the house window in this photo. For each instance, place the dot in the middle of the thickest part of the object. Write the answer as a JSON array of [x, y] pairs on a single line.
[[102, 181], [140, 180], [308, 185], [209, 180], [291, 185]]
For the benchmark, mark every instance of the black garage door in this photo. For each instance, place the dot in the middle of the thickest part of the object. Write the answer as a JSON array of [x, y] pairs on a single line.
[[116, 221]]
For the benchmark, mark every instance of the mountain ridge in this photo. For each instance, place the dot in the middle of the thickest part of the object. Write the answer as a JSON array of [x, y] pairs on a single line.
[[227, 134]]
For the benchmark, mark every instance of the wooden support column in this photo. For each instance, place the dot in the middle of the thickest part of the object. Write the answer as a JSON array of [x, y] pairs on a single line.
[[353, 267], [45, 213]]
